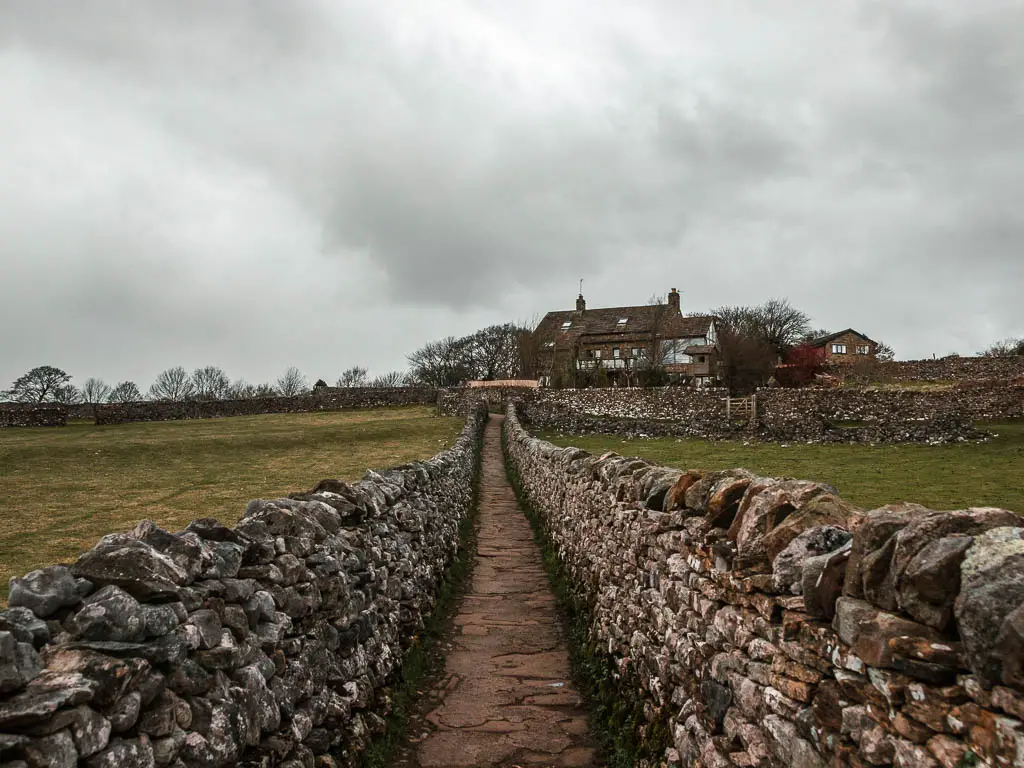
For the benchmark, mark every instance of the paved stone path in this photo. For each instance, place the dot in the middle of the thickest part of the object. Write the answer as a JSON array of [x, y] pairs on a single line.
[[508, 699]]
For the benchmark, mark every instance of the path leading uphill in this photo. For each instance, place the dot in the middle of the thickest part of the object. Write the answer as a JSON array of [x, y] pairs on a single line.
[[508, 698]]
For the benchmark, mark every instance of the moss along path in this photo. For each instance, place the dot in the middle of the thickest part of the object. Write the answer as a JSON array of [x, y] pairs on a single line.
[[508, 698]]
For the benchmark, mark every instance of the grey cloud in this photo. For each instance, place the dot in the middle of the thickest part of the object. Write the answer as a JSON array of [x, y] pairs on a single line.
[[326, 183]]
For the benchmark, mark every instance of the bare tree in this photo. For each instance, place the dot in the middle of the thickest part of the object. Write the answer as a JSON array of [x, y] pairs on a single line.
[[353, 377], [1006, 348], [174, 384], [124, 392], [775, 322], [210, 383], [493, 352], [67, 394], [389, 380], [748, 361], [292, 383], [95, 391], [39, 385], [266, 390], [241, 390], [441, 363], [781, 324]]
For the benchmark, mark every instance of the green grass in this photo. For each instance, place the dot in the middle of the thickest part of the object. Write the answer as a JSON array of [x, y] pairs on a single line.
[[63, 488], [940, 477]]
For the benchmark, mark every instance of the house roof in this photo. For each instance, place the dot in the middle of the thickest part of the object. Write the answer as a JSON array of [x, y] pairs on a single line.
[[640, 321], [822, 340]]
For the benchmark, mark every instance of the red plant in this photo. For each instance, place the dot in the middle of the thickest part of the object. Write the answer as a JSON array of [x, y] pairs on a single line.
[[803, 363]]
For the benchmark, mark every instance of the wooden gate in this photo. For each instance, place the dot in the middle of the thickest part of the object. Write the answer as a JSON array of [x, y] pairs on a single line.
[[741, 408]]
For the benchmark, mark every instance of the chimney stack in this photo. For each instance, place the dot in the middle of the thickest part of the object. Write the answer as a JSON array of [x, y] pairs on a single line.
[[581, 304], [673, 299]]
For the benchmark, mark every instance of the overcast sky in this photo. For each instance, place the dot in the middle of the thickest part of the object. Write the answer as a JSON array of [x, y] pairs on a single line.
[[322, 183]]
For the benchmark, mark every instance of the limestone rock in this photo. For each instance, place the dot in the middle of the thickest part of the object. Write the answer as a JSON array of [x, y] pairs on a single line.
[[867, 630], [125, 753], [926, 554], [19, 663], [875, 529], [25, 626], [766, 504], [826, 509], [787, 568], [822, 579], [991, 591], [56, 751], [44, 591], [108, 614], [133, 565]]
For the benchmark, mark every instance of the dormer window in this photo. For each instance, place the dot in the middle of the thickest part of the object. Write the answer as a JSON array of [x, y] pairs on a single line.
[[567, 324], [623, 321]]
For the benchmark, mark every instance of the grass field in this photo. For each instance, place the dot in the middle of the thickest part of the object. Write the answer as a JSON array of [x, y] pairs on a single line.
[[61, 489], [940, 477]]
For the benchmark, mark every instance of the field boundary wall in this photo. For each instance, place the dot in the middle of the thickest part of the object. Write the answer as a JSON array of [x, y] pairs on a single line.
[[273, 642], [767, 622]]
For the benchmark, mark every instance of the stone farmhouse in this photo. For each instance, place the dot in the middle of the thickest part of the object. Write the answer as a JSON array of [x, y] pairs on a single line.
[[622, 343], [847, 346]]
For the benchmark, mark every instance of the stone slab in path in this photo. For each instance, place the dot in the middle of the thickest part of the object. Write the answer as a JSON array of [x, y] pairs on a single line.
[[508, 700]]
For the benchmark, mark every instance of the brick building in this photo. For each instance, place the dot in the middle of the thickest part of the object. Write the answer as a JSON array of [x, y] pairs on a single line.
[[620, 344], [847, 346]]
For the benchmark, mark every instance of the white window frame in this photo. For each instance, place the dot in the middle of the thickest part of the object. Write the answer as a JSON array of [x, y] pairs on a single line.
[[567, 325], [622, 321], [597, 354], [616, 353], [863, 349], [838, 349]]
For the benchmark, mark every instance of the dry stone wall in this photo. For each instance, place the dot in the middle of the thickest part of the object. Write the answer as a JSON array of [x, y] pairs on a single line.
[[811, 414], [767, 622], [32, 415], [268, 644], [953, 369], [330, 400], [884, 415]]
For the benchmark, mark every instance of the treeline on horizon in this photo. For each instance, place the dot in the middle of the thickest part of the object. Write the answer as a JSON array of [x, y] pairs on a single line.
[[752, 340]]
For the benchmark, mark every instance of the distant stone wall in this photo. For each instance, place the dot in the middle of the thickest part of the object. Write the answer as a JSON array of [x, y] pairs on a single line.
[[332, 399], [458, 400], [952, 369], [32, 415], [677, 411], [810, 414], [268, 644], [884, 415], [768, 623]]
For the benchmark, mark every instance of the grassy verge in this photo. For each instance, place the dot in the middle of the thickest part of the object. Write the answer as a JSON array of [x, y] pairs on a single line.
[[61, 489], [424, 661], [941, 476], [616, 712]]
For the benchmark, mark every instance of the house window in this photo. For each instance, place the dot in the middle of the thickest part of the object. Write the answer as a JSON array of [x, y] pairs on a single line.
[[838, 349], [597, 354], [615, 353], [635, 352], [567, 324], [863, 349], [623, 321]]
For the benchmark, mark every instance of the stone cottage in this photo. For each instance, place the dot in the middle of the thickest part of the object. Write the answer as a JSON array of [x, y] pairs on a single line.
[[620, 344]]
